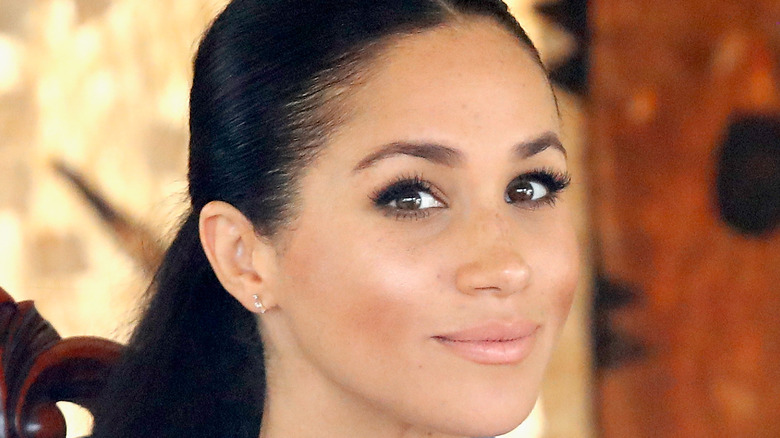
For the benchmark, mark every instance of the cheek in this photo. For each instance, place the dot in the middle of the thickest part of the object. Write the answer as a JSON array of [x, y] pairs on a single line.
[[357, 294], [556, 265]]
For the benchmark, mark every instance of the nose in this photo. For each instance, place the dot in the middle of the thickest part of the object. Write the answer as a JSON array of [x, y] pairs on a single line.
[[495, 263], [499, 274]]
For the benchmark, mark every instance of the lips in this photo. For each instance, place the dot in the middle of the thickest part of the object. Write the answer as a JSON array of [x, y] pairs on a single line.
[[492, 343]]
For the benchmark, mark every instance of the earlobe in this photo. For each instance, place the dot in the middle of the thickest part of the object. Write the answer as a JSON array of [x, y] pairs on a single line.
[[259, 304], [229, 241]]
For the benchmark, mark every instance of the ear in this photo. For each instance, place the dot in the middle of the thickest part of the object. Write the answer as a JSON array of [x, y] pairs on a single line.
[[242, 261]]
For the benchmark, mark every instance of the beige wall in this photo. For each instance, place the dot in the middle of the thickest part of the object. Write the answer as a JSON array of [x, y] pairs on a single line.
[[102, 85]]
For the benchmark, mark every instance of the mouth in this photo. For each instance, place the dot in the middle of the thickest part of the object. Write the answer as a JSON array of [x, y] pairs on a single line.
[[493, 343]]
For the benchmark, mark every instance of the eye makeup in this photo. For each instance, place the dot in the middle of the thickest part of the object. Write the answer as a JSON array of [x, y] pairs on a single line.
[[414, 197], [407, 197], [522, 191]]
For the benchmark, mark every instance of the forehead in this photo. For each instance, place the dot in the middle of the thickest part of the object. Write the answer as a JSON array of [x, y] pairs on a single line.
[[470, 84]]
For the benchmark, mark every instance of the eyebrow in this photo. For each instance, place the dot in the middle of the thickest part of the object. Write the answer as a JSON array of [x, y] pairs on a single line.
[[447, 156]]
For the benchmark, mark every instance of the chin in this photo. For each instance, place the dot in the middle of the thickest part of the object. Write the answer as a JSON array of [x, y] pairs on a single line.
[[494, 425], [484, 429], [491, 419]]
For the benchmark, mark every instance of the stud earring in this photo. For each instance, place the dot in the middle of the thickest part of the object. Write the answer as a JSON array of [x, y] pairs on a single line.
[[258, 304]]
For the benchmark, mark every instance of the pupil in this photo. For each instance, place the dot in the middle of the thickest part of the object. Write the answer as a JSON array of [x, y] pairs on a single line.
[[520, 191], [410, 201]]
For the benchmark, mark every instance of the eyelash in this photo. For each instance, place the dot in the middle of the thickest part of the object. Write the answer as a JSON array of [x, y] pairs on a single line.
[[382, 197], [554, 181]]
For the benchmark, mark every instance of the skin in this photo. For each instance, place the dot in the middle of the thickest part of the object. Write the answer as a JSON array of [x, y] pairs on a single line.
[[356, 295]]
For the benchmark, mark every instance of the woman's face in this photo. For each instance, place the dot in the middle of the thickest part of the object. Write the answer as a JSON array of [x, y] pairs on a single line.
[[432, 264]]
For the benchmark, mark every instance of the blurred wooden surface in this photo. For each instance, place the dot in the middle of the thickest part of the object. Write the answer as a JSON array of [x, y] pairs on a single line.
[[666, 77], [39, 369]]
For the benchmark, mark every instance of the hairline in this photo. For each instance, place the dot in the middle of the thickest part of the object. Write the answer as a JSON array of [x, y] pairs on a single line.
[[323, 107]]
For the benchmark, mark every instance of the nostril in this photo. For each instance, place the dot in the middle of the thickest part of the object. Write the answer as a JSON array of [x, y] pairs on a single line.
[[497, 275]]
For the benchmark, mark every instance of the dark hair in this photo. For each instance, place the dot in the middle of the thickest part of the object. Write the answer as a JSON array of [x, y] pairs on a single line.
[[269, 76]]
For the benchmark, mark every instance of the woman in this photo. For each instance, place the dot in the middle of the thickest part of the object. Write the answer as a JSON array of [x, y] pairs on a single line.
[[376, 246]]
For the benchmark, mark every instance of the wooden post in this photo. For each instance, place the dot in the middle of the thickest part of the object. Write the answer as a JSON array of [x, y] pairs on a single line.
[[668, 78]]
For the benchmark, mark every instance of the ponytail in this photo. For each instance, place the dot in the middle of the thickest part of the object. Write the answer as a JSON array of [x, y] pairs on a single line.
[[194, 366]]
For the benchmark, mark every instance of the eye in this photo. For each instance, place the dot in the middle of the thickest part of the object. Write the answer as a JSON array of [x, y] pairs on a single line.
[[407, 198], [414, 200], [536, 188], [524, 190]]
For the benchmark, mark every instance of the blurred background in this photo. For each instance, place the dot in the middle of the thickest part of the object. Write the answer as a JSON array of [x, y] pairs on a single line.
[[671, 113]]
